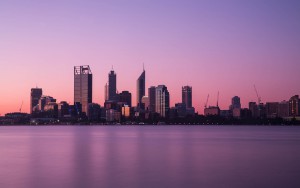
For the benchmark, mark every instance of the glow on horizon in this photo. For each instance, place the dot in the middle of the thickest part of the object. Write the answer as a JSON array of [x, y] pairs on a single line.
[[211, 46]]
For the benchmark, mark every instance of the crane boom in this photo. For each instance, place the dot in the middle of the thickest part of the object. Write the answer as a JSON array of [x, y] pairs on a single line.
[[258, 97], [218, 100], [21, 107], [206, 101]]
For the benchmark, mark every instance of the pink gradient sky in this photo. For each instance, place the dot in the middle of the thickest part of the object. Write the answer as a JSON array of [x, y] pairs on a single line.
[[213, 46]]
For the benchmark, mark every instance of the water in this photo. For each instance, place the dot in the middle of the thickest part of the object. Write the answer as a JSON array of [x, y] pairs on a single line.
[[149, 156]]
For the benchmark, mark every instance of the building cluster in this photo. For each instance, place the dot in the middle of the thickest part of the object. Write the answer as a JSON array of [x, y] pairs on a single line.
[[118, 107], [152, 105], [270, 110]]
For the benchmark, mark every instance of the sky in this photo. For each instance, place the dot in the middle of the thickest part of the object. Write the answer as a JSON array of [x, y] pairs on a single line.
[[214, 45]]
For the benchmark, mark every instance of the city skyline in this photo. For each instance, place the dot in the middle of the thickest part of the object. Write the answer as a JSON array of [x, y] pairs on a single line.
[[219, 46]]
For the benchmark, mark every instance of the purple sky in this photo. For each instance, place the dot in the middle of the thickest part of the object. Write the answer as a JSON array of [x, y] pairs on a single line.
[[213, 46]]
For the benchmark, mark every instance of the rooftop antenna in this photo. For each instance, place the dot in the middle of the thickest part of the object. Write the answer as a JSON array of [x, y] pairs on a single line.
[[143, 67], [112, 67]]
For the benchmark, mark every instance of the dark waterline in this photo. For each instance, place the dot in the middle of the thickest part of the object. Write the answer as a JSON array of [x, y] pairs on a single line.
[[149, 156]]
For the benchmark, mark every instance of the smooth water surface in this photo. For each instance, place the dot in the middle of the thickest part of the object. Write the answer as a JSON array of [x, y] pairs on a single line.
[[149, 156]]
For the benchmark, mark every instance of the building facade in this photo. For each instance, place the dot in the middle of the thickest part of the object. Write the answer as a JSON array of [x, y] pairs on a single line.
[[162, 104], [83, 82], [44, 100], [112, 85], [125, 97], [152, 98], [35, 95], [283, 109], [187, 96], [140, 88], [294, 106], [235, 102]]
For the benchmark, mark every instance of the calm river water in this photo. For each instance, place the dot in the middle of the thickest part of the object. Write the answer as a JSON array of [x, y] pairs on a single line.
[[149, 156]]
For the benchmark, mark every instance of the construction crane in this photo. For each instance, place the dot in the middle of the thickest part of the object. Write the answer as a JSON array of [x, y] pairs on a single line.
[[205, 106], [258, 97], [218, 100], [21, 107]]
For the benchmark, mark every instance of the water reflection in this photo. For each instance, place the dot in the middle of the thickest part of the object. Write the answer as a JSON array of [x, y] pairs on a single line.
[[149, 156]]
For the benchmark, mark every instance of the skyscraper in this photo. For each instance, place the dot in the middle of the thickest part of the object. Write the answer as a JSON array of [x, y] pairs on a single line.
[[152, 98], [294, 106], [112, 85], [106, 95], [187, 96], [235, 103], [35, 96], [162, 100], [140, 89], [83, 83]]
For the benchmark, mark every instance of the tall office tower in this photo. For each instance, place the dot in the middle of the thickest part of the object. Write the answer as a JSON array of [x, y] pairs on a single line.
[[140, 89], [187, 96], [294, 106], [152, 98], [112, 85], [235, 103], [106, 93], [162, 100], [35, 96], [83, 86], [125, 97]]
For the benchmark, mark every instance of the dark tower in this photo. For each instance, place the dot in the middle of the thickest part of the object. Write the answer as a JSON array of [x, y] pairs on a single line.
[[187, 96], [152, 98], [35, 96], [112, 85], [83, 86], [140, 89]]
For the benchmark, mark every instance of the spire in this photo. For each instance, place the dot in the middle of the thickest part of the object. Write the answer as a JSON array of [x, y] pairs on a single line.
[[143, 67]]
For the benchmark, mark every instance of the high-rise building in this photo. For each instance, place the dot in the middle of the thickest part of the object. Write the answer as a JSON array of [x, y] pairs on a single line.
[[254, 109], [112, 85], [294, 106], [235, 102], [35, 96], [106, 95], [83, 86], [187, 96], [140, 88], [152, 98], [235, 107], [162, 100], [125, 97]]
